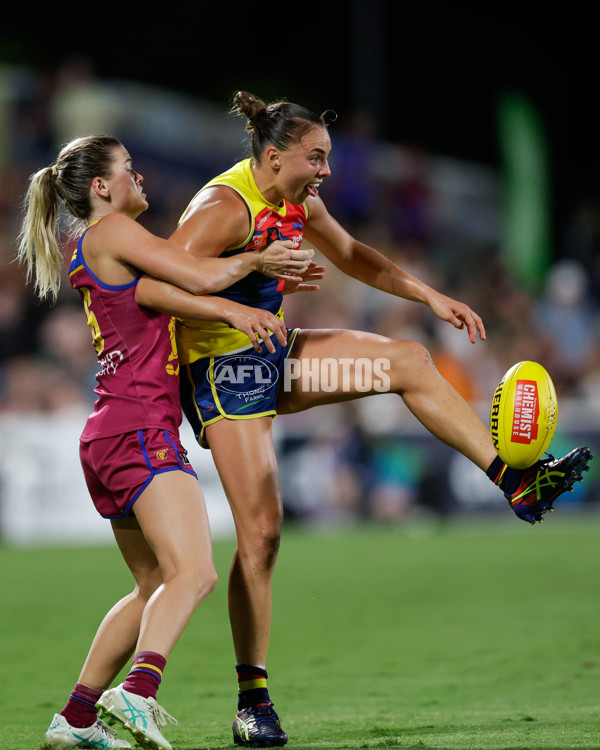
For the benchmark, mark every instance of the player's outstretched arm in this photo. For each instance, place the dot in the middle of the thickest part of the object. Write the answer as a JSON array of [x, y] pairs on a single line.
[[366, 264]]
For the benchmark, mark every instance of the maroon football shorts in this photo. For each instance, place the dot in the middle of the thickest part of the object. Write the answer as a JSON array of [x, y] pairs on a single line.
[[118, 469]]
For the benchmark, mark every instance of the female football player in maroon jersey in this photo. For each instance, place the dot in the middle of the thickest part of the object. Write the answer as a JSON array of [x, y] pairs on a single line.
[[135, 467]]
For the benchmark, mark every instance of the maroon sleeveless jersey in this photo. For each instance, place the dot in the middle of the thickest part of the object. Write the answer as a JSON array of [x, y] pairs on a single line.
[[138, 377]]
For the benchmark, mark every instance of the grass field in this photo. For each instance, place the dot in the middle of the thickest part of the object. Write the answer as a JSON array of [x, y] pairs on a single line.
[[484, 635]]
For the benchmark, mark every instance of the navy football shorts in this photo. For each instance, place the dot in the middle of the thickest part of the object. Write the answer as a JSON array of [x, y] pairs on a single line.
[[239, 385]]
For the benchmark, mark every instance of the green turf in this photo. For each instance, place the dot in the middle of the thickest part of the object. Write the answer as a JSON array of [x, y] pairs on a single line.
[[478, 636]]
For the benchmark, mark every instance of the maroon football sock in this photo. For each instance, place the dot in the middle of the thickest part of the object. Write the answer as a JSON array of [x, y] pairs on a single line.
[[145, 674], [81, 710]]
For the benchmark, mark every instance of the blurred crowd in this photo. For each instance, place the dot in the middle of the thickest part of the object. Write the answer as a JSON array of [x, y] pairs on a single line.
[[438, 218]]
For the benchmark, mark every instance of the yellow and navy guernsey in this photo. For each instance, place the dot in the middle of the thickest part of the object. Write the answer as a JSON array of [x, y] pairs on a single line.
[[223, 376]]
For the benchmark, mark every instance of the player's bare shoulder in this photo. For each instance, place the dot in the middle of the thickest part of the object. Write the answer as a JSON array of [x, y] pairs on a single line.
[[111, 232], [216, 200], [217, 211]]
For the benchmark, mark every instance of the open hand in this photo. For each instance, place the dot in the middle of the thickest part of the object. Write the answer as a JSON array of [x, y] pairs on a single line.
[[459, 315], [258, 324], [313, 273]]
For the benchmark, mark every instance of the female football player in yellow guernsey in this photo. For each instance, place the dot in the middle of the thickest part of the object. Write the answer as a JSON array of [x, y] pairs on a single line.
[[230, 395]]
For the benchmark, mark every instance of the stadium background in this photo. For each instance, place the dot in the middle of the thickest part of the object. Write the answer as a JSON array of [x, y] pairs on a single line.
[[465, 147]]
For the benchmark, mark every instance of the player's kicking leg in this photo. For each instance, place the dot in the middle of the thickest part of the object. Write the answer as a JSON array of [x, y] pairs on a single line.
[[435, 403]]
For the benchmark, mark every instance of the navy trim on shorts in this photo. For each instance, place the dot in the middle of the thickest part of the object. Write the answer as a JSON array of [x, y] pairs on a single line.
[[154, 472]]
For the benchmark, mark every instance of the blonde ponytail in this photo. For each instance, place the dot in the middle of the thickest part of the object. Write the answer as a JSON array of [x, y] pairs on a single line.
[[38, 248]]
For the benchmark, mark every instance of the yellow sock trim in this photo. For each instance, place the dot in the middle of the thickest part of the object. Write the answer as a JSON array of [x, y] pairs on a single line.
[[261, 682]]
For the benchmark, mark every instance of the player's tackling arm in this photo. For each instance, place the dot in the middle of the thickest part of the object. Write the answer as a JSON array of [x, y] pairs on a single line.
[[117, 240], [218, 220], [254, 322]]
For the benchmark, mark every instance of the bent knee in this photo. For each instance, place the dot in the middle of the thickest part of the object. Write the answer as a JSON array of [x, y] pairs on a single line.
[[412, 365], [210, 582], [201, 582], [262, 528], [197, 578], [413, 352]]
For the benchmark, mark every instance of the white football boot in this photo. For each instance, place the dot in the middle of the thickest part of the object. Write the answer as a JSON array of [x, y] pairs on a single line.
[[141, 716], [62, 734]]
